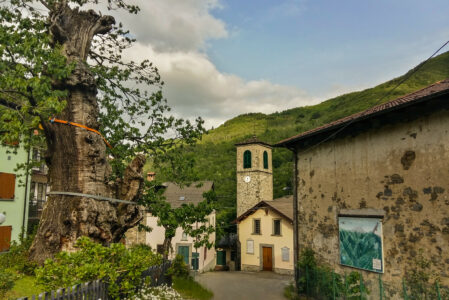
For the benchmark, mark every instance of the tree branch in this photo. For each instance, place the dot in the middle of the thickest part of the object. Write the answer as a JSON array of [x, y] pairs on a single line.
[[9, 105]]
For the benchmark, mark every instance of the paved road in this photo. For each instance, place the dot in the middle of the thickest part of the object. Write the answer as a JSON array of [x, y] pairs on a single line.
[[244, 285]]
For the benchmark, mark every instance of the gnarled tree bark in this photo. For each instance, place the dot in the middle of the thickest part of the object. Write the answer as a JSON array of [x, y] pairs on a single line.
[[77, 158]]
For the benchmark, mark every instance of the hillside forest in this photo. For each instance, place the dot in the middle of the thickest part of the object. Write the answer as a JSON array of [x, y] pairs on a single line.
[[215, 154]]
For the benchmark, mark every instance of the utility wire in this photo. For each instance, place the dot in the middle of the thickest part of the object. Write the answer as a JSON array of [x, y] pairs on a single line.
[[405, 78]]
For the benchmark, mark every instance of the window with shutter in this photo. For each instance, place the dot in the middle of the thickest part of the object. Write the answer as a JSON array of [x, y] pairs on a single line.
[[7, 186], [5, 238], [247, 159]]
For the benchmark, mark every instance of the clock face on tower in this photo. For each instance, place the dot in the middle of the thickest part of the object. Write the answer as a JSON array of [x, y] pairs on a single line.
[[247, 179]]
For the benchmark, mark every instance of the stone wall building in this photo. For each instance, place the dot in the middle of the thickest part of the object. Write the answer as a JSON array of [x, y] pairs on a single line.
[[390, 163]]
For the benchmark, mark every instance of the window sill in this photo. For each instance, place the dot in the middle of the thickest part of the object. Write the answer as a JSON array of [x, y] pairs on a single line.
[[256, 233], [276, 235], [2, 199]]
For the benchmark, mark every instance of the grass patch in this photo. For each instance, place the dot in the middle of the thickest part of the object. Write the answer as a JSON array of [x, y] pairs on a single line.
[[291, 294], [190, 289], [24, 287]]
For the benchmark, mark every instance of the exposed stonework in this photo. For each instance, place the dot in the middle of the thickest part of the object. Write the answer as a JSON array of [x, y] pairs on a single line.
[[405, 175], [250, 268], [283, 271], [260, 185]]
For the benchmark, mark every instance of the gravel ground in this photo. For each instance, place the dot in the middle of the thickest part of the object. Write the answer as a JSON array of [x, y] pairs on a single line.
[[245, 285]]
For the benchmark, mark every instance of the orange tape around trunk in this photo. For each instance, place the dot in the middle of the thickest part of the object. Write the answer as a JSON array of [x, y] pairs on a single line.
[[54, 120]]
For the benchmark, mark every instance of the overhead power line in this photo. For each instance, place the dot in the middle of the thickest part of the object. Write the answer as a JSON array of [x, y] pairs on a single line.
[[388, 93]]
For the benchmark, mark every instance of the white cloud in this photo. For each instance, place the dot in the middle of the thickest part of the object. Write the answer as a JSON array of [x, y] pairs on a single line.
[[175, 25], [173, 34], [194, 86]]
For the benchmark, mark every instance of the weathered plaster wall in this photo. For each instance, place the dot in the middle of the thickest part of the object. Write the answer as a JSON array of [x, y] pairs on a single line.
[[14, 208], [260, 188], [402, 169], [252, 262]]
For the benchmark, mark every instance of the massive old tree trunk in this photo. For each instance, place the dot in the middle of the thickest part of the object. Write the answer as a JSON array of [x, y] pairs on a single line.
[[76, 157]]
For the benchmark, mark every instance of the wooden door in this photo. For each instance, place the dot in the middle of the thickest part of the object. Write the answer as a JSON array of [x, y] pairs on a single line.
[[221, 258], [267, 258], [184, 252]]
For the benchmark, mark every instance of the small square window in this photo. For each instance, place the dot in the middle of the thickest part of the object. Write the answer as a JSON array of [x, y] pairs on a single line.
[[256, 226], [184, 236]]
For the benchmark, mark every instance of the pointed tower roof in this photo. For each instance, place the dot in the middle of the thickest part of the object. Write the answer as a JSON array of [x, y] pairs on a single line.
[[253, 140]]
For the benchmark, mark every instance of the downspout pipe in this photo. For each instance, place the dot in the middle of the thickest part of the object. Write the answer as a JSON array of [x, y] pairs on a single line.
[[25, 202], [295, 216]]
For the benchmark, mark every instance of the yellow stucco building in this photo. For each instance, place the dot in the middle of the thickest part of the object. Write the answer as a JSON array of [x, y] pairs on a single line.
[[265, 226], [266, 236]]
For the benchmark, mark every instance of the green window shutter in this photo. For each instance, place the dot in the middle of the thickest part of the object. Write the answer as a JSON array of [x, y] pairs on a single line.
[[247, 159], [265, 160]]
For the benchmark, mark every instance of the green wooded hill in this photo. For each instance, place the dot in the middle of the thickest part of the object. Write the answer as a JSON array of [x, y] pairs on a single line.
[[215, 154]]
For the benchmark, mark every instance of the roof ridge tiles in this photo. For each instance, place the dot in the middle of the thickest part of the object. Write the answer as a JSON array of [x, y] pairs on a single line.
[[433, 89]]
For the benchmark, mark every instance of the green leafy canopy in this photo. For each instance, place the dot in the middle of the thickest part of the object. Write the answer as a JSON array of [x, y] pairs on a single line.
[[191, 218], [134, 115]]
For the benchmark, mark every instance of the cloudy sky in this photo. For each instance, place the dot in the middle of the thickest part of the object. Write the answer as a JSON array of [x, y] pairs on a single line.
[[222, 58]]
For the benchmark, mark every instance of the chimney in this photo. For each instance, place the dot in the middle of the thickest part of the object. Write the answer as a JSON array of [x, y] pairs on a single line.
[[151, 176]]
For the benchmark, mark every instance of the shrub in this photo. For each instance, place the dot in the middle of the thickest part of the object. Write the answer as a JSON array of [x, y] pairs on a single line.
[[17, 256], [178, 268], [290, 292], [322, 282], [6, 281], [421, 280], [121, 268]]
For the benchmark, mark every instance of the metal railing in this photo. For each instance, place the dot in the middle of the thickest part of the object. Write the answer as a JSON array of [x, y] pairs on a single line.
[[324, 283]]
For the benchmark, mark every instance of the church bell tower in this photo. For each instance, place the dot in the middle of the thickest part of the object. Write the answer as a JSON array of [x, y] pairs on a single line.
[[254, 174]]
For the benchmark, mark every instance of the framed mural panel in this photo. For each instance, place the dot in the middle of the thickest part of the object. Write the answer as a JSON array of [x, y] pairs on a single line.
[[361, 243], [250, 246]]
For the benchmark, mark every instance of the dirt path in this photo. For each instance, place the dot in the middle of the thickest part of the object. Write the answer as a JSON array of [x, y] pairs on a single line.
[[244, 286]]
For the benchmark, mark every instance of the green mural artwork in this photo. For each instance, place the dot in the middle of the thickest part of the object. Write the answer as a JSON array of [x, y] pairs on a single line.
[[361, 243]]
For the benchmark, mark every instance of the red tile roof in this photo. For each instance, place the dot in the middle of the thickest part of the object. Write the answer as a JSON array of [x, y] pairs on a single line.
[[431, 91], [252, 140]]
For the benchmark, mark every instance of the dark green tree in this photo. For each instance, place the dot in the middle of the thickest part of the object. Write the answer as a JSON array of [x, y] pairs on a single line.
[[191, 218], [60, 61]]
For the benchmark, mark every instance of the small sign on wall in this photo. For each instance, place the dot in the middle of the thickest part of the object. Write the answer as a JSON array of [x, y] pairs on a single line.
[[361, 243], [250, 246], [285, 254]]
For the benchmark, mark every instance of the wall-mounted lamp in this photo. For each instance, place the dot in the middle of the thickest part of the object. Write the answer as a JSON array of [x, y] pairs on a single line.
[[2, 218]]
